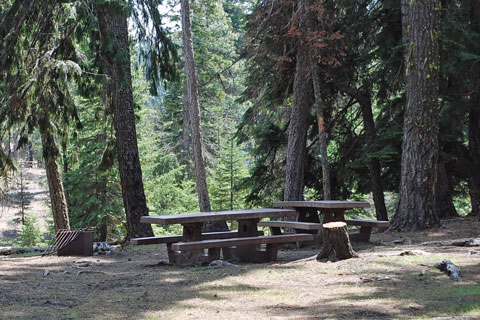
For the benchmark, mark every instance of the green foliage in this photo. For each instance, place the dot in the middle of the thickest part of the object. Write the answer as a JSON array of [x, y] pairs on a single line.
[[92, 186], [167, 189], [226, 190], [30, 235]]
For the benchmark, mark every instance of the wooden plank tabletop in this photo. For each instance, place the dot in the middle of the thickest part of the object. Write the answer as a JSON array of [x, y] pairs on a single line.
[[325, 204], [219, 215]]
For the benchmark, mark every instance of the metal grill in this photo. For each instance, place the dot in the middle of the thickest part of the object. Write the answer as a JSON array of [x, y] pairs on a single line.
[[62, 239]]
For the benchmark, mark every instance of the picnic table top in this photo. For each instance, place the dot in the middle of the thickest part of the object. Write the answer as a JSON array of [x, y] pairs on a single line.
[[324, 204], [218, 216]]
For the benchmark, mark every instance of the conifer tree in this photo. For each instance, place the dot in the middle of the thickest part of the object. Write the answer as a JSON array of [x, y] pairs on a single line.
[[420, 24], [115, 61]]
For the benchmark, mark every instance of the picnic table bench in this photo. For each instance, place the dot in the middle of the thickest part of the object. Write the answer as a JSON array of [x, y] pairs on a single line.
[[308, 219], [241, 244]]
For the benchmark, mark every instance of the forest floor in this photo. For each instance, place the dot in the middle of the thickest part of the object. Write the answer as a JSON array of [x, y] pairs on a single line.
[[131, 284]]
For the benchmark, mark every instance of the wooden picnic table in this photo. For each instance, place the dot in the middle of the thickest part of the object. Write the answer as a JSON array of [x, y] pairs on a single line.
[[247, 229], [332, 210]]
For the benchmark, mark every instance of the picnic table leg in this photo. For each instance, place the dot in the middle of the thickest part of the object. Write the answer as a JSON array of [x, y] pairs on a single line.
[[333, 215], [275, 231], [191, 232], [249, 253], [171, 253], [309, 215], [363, 235]]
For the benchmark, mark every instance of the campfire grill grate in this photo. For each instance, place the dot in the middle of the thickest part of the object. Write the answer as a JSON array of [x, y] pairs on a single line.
[[62, 239]]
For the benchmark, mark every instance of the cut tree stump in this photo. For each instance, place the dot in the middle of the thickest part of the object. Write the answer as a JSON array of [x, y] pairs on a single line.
[[336, 243]]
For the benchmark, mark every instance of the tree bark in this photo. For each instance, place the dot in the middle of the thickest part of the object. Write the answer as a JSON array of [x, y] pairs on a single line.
[[187, 129], [474, 153], [30, 152], [55, 184], [115, 58], [474, 130], [195, 122], [420, 26], [374, 163], [322, 136], [336, 243], [445, 207], [297, 135]]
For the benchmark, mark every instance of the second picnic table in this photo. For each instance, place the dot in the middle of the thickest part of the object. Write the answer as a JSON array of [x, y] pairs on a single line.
[[193, 242], [332, 210], [308, 219]]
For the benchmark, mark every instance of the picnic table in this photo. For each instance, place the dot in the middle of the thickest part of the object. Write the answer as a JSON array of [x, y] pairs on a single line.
[[241, 244], [308, 219], [332, 210]]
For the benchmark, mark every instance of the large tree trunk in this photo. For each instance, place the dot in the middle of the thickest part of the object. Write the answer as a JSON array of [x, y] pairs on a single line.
[[55, 184], [322, 136], [187, 129], [194, 113], [374, 163], [297, 135], [474, 130], [416, 207], [474, 152], [115, 57]]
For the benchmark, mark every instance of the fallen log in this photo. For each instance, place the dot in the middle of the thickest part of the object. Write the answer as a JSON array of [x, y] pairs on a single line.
[[450, 268], [301, 260], [469, 242], [336, 243], [6, 251]]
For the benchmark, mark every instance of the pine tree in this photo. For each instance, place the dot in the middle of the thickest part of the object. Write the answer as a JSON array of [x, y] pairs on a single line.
[[416, 208], [38, 66], [115, 61]]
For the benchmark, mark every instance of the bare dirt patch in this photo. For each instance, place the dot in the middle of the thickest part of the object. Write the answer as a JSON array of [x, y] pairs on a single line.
[[381, 284]]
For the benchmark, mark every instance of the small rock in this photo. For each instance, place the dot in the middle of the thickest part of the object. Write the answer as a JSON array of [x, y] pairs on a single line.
[[129, 259], [66, 272], [423, 272], [382, 278], [222, 264], [46, 273]]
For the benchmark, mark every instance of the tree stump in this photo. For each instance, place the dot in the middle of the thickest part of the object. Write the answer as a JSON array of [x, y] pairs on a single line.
[[336, 243]]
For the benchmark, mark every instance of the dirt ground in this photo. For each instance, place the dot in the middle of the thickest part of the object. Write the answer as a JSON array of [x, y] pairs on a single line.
[[131, 284]]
